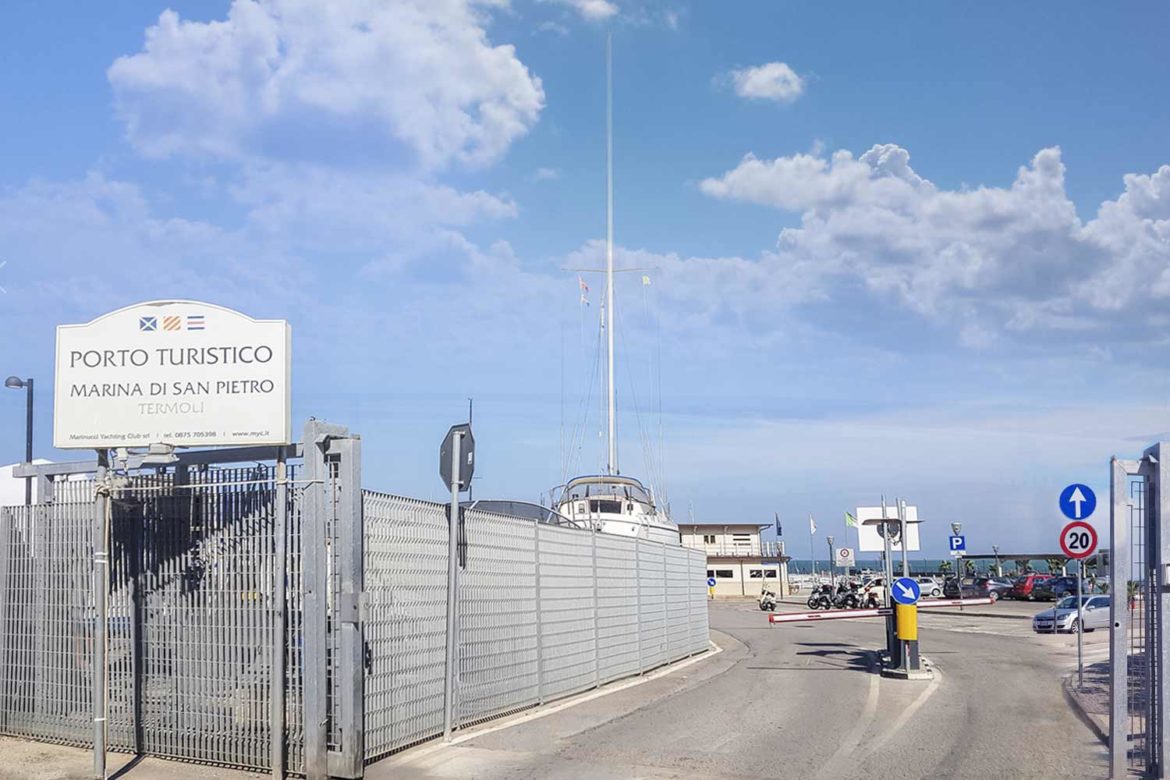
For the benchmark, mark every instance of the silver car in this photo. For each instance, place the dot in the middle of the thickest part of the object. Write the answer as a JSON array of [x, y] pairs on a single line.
[[930, 587], [1063, 617]]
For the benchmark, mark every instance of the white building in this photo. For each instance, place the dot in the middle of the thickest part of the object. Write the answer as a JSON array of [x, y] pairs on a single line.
[[12, 488], [737, 558]]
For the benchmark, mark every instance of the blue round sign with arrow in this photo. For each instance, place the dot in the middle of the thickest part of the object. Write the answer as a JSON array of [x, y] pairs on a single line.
[[906, 591], [710, 582], [1077, 501]]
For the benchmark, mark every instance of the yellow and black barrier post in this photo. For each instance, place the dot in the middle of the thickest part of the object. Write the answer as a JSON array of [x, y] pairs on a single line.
[[906, 663]]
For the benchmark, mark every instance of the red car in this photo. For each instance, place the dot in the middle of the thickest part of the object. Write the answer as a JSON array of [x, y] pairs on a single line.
[[1023, 586]]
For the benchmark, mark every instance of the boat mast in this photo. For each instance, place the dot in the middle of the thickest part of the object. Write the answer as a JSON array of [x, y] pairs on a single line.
[[612, 467]]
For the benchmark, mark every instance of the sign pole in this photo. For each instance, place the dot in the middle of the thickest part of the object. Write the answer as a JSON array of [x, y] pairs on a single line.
[[452, 571], [891, 639], [1080, 627]]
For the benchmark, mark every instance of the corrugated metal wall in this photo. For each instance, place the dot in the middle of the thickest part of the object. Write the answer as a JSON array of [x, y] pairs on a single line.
[[544, 612]]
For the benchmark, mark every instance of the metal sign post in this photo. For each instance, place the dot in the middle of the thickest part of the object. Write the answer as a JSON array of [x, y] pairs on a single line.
[[456, 466], [1078, 540]]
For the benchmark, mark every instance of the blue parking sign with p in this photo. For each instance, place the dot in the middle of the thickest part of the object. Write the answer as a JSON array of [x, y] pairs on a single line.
[[958, 544]]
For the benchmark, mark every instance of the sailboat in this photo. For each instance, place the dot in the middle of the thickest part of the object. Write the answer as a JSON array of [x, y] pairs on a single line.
[[613, 503]]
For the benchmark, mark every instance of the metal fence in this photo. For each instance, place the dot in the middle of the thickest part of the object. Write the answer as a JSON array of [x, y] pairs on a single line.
[[286, 620], [543, 612], [1141, 598]]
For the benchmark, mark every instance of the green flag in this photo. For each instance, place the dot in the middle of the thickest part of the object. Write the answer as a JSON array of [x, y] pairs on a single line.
[[850, 520]]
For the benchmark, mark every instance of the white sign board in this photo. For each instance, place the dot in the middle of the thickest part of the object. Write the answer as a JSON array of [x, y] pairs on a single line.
[[845, 557], [172, 372], [869, 538]]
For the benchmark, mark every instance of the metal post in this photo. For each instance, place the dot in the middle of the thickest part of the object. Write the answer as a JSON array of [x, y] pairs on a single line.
[[1119, 576], [888, 574], [832, 564], [1158, 650], [902, 535], [28, 438], [452, 573], [1080, 626], [101, 590], [350, 584], [279, 617], [539, 612]]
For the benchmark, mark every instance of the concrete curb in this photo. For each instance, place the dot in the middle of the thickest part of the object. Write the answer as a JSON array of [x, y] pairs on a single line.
[[1100, 730]]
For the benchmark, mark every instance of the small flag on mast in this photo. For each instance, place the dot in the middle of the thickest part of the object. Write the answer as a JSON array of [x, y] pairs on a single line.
[[850, 520], [645, 281], [779, 532], [812, 525], [584, 290]]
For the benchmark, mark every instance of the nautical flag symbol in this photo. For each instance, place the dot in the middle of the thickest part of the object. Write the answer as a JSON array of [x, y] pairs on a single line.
[[148, 323], [195, 322], [172, 323]]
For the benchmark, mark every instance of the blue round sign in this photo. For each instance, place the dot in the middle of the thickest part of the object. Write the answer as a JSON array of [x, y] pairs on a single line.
[[1077, 501], [710, 582], [906, 591]]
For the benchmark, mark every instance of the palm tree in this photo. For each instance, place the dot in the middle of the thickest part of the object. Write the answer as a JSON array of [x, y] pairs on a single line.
[[1022, 566], [970, 567], [945, 567], [1055, 564]]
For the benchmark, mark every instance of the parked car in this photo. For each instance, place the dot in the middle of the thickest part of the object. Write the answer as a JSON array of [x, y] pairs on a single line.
[[1023, 586], [930, 587], [1063, 616], [976, 588], [1055, 588]]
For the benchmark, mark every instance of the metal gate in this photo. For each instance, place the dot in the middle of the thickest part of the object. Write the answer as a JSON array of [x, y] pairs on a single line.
[[1138, 582], [231, 632]]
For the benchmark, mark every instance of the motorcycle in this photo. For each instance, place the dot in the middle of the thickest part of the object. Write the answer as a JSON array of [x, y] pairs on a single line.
[[767, 601], [846, 597], [821, 597]]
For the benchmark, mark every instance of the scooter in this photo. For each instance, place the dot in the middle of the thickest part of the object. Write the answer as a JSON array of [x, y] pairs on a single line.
[[846, 597], [821, 598], [767, 601]]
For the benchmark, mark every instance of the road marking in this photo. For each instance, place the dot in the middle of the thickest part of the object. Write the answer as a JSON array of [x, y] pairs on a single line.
[[907, 713], [831, 767]]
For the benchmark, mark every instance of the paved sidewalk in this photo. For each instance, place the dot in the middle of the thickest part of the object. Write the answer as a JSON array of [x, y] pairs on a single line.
[[1091, 703], [24, 760]]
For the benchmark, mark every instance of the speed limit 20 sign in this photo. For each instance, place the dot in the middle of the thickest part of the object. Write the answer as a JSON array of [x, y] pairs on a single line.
[[1078, 540]]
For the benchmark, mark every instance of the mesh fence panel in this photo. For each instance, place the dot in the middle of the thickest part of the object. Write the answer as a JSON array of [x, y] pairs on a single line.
[[530, 627], [498, 666], [405, 624], [46, 622], [567, 621], [617, 615]]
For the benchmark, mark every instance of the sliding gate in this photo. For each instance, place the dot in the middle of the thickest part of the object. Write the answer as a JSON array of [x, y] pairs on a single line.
[[224, 635]]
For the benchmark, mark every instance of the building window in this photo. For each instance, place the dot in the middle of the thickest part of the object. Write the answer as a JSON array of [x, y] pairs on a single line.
[[724, 574], [710, 572], [741, 540], [708, 538], [755, 574], [770, 573]]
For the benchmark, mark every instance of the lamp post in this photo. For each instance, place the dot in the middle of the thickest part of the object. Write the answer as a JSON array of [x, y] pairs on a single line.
[[16, 383], [998, 568], [832, 563]]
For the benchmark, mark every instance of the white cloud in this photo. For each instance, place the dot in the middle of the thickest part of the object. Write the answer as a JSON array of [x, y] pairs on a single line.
[[771, 81], [593, 10], [545, 174], [301, 79], [988, 259]]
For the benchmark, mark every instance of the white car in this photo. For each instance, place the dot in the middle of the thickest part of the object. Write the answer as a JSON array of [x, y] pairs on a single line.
[[1063, 616]]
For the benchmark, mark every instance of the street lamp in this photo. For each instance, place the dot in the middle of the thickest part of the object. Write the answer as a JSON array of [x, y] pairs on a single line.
[[832, 563], [16, 383], [998, 568]]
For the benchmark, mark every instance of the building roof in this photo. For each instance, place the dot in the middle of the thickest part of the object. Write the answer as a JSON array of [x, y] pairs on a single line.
[[721, 525]]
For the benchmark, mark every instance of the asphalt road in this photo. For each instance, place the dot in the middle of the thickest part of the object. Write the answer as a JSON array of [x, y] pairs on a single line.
[[801, 701]]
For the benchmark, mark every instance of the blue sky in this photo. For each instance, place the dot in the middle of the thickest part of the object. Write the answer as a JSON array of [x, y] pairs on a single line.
[[921, 252]]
